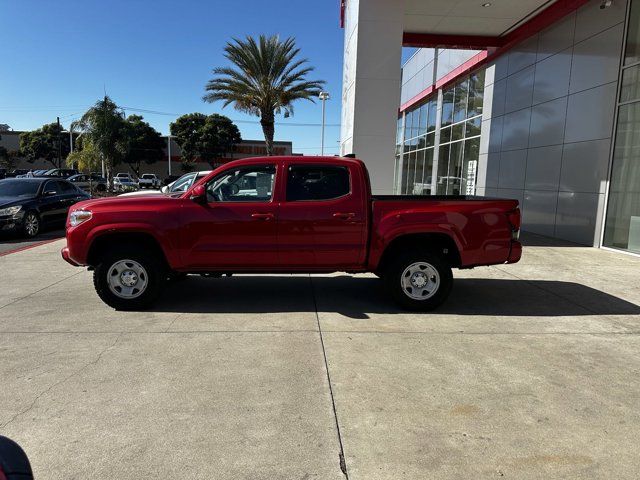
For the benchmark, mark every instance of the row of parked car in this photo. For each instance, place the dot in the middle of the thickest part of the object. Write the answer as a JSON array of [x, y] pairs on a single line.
[[90, 181], [31, 203]]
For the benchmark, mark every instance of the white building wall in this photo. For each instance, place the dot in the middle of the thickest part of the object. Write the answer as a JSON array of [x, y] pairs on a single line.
[[548, 120], [371, 85]]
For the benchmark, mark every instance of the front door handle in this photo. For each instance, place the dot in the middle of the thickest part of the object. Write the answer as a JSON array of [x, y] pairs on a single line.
[[262, 216], [344, 216]]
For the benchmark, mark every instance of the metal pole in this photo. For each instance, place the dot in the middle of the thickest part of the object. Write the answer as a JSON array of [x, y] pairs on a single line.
[[59, 143], [322, 134], [324, 96], [70, 139], [169, 152]]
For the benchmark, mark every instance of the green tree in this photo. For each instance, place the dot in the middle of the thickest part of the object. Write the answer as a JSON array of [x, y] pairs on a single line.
[[106, 131], [145, 144], [208, 137], [48, 143], [84, 157], [265, 78]]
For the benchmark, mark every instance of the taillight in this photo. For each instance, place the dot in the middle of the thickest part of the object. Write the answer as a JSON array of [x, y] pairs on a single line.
[[514, 220]]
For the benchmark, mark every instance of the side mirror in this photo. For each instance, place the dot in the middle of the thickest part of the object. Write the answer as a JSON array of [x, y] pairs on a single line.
[[198, 194]]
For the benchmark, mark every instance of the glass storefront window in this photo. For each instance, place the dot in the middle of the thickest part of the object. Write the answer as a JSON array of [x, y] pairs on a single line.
[[461, 92], [630, 89], [476, 94], [622, 224], [632, 50], [622, 228], [447, 107], [461, 119]]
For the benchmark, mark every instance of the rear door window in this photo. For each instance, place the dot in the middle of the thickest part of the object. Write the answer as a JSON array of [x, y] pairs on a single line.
[[317, 182]]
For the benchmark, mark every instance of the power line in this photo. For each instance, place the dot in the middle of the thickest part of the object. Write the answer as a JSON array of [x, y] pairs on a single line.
[[291, 124]]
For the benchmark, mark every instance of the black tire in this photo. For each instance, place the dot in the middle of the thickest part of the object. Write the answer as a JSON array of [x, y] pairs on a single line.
[[155, 275], [31, 224], [422, 261]]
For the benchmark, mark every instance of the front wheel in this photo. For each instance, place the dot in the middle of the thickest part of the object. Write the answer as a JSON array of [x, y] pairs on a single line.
[[129, 279], [31, 224], [419, 280]]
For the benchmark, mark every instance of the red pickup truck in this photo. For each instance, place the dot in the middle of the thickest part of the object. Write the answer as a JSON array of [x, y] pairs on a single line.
[[288, 214]]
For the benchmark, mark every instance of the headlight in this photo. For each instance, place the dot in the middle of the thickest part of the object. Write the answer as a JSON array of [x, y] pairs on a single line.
[[10, 210], [79, 216]]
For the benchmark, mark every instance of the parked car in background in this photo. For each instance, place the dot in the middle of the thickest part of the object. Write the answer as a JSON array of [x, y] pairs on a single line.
[[60, 172], [182, 184], [17, 172], [89, 181], [149, 180], [27, 205], [125, 183], [289, 214]]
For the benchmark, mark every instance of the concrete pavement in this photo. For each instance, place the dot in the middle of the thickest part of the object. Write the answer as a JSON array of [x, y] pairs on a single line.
[[529, 371]]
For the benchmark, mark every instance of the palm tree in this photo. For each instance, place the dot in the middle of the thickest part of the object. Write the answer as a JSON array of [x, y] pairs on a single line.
[[105, 133], [265, 79]]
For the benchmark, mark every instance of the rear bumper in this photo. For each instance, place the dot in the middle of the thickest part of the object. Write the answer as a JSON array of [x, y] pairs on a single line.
[[516, 252]]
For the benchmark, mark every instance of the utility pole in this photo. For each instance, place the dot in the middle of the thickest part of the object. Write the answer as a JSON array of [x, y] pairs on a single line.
[[324, 96], [59, 143], [169, 151]]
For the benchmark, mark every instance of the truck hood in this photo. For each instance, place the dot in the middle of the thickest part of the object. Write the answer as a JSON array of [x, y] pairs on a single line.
[[125, 203]]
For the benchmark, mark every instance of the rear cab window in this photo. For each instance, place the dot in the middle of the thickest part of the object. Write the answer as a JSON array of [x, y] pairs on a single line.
[[317, 182]]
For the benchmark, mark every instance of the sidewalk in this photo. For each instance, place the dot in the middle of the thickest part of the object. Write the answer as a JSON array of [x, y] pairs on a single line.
[[529, 371]]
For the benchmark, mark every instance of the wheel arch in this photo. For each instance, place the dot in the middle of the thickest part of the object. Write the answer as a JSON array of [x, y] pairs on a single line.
[[436, 242], [112, 240]]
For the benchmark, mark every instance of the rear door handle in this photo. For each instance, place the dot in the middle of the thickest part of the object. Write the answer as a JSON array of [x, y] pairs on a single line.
[[262, 216], [344, 216]]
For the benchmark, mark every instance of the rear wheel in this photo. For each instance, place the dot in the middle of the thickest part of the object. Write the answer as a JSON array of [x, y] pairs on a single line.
[[129, 279], [419, 280]]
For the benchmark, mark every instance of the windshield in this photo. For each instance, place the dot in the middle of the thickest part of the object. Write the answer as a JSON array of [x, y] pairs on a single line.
[[183, 183], [18, 188]]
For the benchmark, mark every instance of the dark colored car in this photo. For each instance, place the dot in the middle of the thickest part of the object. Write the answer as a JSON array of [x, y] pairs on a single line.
[[60, 172], [17, 171], [3, 173], [29, 204]]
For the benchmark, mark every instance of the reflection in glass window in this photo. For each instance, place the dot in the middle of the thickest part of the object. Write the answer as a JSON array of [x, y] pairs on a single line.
[[622, 229], [476, 94], [460, 101], [447, 107], [632, 51], [630, 89]]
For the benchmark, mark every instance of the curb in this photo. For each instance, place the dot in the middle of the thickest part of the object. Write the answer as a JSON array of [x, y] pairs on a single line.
[[28, 247]]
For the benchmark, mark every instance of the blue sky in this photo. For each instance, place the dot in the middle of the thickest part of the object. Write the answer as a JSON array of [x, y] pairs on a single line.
[[58, 57]]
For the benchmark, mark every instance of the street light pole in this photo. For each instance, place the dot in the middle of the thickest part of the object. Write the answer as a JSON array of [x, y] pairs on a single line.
[[169, 151], [324, 96]]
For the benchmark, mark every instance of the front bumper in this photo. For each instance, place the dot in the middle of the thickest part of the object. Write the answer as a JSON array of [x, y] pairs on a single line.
[[11, 223], [67, 257]]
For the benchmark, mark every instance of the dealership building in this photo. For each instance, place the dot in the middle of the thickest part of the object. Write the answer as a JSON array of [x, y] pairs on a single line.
[[530, 99]]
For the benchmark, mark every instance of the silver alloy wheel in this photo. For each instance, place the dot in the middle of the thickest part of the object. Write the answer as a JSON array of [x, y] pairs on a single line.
[[31, 224], [127, 279], [420, 281]]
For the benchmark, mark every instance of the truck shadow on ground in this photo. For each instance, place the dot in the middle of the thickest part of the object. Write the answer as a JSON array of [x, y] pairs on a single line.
[[358, 296]]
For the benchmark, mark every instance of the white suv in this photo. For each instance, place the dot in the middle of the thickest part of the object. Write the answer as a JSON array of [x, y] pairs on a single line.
[[149, 180]]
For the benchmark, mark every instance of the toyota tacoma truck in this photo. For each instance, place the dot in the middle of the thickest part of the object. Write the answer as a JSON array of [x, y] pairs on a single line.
[[288, 215]]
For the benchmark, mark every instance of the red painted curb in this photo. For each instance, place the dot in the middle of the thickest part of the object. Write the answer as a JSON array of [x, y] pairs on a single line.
[[27, 247]]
